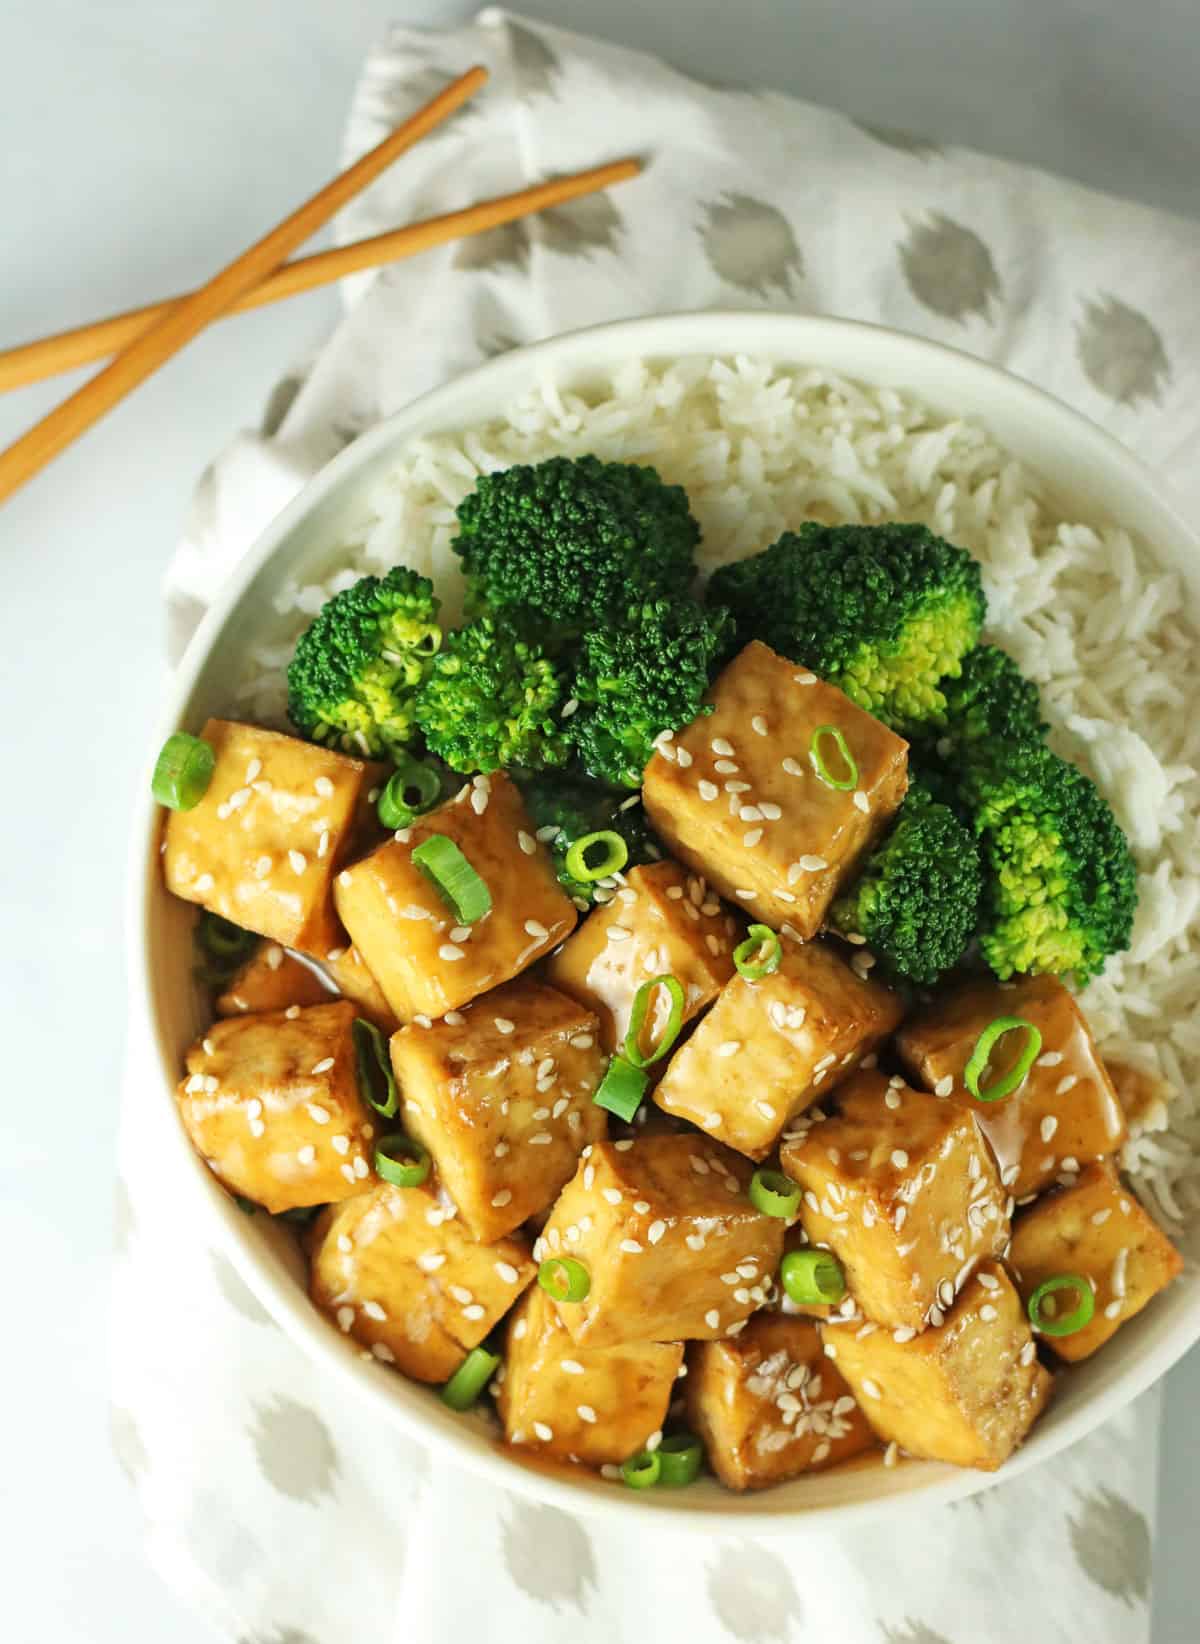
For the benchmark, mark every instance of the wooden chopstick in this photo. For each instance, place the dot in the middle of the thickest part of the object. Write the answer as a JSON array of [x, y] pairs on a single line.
[[166, 336], [47, 356]]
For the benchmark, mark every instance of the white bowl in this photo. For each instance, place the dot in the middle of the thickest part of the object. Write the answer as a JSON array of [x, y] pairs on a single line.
[[1080, 464]]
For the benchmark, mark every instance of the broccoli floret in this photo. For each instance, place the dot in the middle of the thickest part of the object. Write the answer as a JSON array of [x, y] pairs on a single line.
[[991, 700], [493, 698], [356, 669], [917, 899], [886, 612], [575, 539], [1061, 886], [645, 675], [576, 806]]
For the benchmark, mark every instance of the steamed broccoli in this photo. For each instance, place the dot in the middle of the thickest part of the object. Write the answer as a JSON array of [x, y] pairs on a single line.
[[576, 806], [645, 675], [574, 539], [1061, 886], [886, 612], [917, 899], [991, 700], [356, 668], [493, 698]]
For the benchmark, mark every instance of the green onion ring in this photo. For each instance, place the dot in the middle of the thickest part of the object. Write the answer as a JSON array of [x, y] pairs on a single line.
[[374, 1068], [843, 784], [637, 1017], [642, 1471], [680, 1458], [774, 1193], [1082, 1315], [470, 1379], [396, 807], [182, 771], [760, 937], [223, 939], [621, 1090], [401, 1160], [564, 1279], [440, 860], [577, 864], [984, 1045], [812, 1277]]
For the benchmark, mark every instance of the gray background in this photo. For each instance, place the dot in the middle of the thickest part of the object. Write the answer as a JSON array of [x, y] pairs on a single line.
[[141, 144]]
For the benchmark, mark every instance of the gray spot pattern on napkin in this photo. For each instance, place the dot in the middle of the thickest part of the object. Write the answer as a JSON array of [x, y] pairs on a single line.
[[279, 402], [279, 1635], [1121, 353], [907, 142], [235, 1290], [948, 268], [753, 1594], [581, 226], [295, 1452], [535, 66], [124, 1224], [126, 1443], [909, 1631], [549, 1555], [1111, 1540], [497, 248], [402, 98], [750, 244]]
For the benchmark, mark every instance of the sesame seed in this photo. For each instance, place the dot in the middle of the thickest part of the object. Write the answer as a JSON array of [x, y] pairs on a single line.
[[324, 1065], [589, 1176], [720, 746], [708, 791], [534, 927], [1048, 1126], [474, 1311], [479, 800], [257, 1128], [499, 1200], [1066, 1084], [861, 802], [460, 933], [540, 1140], [903, 1334], [324, 787], [381, 1351], [582, 1041], [1027, 1354], [454, 1018], [899, 1158], [805, 679], [373, 1311], [526, 842], [361, 1168], [551, 831], [341, 1144], [711, 1121], [1100, 1217], [423, 1021], [631, 1247], [585, 1412], [507, 1272], [945, 1293], [1009, 1174], [543, 1432], [712, 1319], [944, 1086], [450, 951], [307, 1154], [430, 1260], [684, 758], [891, 1098], [624, 1145], [298, 861], [749, 840], [1052, 1058], [729, 1048], [572, 1367], [1112, 1310], [811, 864], [987, 1313], [345, 1318], [765, 1110], [204, 884], [728, 767], [771, 811], [612, 1195], [655, 1231], [347, 1170], [750, 813], [871, 1388], [503, 1025]]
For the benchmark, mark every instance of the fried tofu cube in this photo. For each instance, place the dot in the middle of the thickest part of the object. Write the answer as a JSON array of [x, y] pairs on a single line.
[[272, 1102], [966, 1392], [1099, 1232], [768, 1049], [262, 848], [396, 1270], [588, 1404], [769, 1405], [902, 1188], [354, 981], [501, 1095], [662, 921], [271, 980], [1066, 1112], [409, 938], [738, 796], [672, 1245]]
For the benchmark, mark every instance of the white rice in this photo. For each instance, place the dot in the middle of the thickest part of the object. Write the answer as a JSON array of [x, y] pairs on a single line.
[[1086, 611]]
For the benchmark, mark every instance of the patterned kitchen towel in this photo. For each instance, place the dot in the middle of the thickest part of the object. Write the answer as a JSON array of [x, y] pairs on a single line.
[[288, 1519]]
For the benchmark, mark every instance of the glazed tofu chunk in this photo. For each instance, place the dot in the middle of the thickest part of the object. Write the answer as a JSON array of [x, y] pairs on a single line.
[[271, 980], [966, 1392], [1100, 1233], [1064, 1115], [588, 1404], [396, 1270], [767, 1049], [1144, 1097], [408, 936], [501, 1095], [263, 846], [354, 981], [739, 797], [770, 1406], [663, 920], [903, 1190], [272, 1103], [672, 1246]]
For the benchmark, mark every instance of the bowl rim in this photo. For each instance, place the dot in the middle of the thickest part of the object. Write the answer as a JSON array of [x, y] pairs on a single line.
[[719, 333]]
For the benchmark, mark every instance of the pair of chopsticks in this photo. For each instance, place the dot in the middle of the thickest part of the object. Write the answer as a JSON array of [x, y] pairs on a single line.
[[147, 337]]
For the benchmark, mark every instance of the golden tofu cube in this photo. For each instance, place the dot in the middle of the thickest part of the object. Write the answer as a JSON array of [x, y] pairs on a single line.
[[1100, 1233], [263, 846], [672, 1245], [271, 979], [501, 1095], [396, 1270], [770, 1406], [272, 1102], [767, 1049], [588, 1404], [408, 936], [902, 1188], [966, 1392], [737, 795], [354, 981], [1065, 1114], [662, 921]]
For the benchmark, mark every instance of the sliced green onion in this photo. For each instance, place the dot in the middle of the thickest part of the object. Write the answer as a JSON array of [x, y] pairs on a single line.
[[842, 783], [762, 941], [401, 1161], [621, 1089], [774, 1193], [440, 860], [616, 854], [812, 1277], [637, 1018], [642, 1471], [376, 1085], [680, 1457], [411, 789], [470, 1379], [223, 939], [1047, 1324], [182, 771], [564, 1279], [981, 1055]]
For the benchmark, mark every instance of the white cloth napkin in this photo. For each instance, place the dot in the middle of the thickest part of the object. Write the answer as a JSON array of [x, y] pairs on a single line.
[[288, 1518]]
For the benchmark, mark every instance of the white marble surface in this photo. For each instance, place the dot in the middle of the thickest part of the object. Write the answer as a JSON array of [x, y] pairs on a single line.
[[139, 145]]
